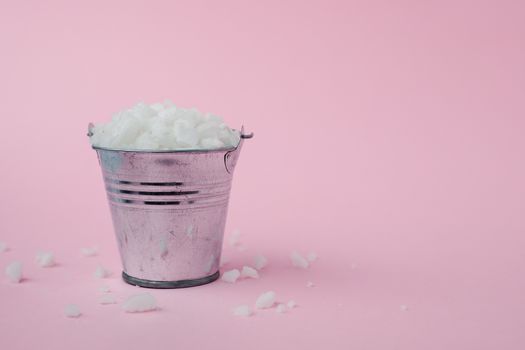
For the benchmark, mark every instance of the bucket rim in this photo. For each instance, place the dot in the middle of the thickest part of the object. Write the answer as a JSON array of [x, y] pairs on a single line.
[[184, 150], [188, 150]]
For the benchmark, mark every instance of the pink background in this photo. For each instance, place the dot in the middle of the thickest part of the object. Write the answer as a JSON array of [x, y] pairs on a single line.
[[389, 140]]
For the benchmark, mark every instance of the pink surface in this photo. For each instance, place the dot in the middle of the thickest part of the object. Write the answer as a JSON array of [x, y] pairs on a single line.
[[390, 136]]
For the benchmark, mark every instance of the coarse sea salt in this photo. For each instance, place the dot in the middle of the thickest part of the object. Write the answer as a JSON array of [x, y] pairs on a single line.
[[87, 252], [281, 308], [45, 259], [104, 289], [101, 272], [140, 303], [291, 304], [298, 260], [260, 261], [243, 310], [310, 284], [163, 126], [231, 276], [224, 260], [3, 247], [311, 257], [265, 300], [72, 310], [107, 299], [248, 271], [13, 271], [235, 238]]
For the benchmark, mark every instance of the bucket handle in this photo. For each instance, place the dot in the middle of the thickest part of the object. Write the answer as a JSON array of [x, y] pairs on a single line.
[[230, 158]]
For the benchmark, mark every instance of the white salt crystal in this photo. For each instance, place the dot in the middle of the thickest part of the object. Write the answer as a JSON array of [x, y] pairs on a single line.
[[14, 271], [291, 304], [235, 238], [107, 299], [3, 247], [162, 126], [298, 260], [101, 272], [311, 257], [265, 300], [104, 289], [260, 261], [231, 276], [224, 260], [403, 307], [281, 308], [310, 284], [157, 106], [211, 142], [89, 251], [186, 136], [45, 259], [72, 310], [248, 271], [243, 310], [140, 303]]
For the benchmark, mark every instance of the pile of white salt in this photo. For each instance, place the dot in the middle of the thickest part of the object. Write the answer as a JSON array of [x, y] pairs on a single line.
[[163, 126]]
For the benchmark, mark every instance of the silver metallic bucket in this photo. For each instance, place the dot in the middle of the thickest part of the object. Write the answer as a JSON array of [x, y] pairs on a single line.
[[169, 210]]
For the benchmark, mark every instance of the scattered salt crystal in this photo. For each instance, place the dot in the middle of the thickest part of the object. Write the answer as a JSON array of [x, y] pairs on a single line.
[[291, 304], [164, 126], [140, 303], [235, 238], [45, 259], [89, 251], [231, 276], [298, 260], [72, 310], [14, 271], [281, 308], [310, 284], [107, 299], [101, 272], [260, 261], [224, 260], [248, 271], [3, 247], [104, 289], [265, 300], [311, 257], [243, 310], [403, 307]]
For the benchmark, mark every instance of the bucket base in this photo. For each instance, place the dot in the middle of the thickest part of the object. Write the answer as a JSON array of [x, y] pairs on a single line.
[[169, 284]]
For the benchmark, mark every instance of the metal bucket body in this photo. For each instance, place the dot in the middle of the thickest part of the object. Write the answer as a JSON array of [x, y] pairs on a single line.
[[169, 210]]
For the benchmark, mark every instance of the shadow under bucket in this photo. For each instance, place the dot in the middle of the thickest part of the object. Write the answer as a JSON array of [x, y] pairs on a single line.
[[169, 210]]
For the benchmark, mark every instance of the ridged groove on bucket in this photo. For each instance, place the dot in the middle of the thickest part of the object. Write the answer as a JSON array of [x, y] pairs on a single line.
[[182, 195]]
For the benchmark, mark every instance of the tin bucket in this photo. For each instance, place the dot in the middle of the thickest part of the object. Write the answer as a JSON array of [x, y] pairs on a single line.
[[169, 210]]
